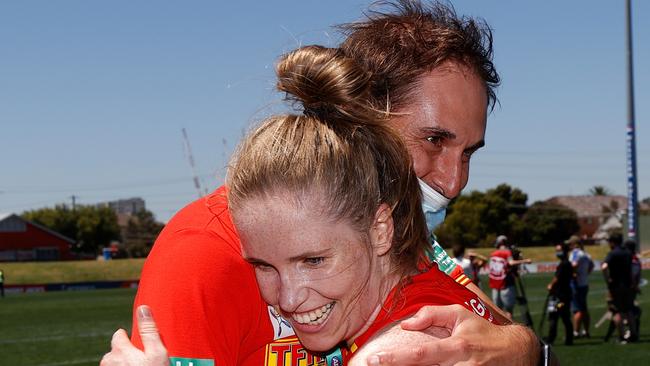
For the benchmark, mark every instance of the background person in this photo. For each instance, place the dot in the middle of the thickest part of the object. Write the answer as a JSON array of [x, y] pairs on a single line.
[[458, 251], [635, 269], [560, 289], [470, 263], [617, 270], [582, 267], [2, 282], [502, 267], [439, 84]]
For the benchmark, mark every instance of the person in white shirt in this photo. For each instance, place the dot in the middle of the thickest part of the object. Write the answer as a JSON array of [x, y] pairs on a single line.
[[582, 267]]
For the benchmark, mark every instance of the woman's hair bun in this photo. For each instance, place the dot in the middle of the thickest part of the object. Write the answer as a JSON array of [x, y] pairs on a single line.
[[324, 82]]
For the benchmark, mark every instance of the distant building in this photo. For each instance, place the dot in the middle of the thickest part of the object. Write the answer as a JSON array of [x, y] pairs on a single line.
[[129, 206], [22, 240], [594, 212]]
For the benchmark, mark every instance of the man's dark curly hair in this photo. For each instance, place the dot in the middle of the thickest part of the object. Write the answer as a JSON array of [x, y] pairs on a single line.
[[411, 38]]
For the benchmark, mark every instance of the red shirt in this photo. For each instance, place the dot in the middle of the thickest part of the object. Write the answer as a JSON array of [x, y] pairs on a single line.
[[499, 269], [203, 295], [430, 288]]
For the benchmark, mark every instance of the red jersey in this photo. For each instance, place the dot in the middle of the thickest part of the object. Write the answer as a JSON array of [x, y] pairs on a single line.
[[499, 269], [205, 297], [429, 288]]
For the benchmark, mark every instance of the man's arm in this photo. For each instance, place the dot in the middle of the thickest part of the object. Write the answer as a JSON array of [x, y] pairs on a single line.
[[472, 341], [516, 262], [394, 336], [551, 285], [452, 335], [604, 267]]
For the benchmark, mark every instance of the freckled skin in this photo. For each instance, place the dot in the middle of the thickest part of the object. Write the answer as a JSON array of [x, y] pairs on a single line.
[[443, 124], [282, 242]]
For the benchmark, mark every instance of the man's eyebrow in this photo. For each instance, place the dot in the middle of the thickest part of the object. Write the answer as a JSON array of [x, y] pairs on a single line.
[[476, 146], [437, 131]]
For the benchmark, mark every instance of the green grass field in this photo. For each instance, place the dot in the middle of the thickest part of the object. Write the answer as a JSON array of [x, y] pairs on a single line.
[[61, 328], [74, 328], [591, 351]]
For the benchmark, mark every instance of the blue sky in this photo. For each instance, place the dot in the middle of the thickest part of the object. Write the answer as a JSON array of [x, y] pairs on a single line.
[[94, 94]]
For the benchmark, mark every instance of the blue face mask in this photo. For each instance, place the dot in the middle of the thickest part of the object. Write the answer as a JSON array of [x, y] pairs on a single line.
[[434, 206]]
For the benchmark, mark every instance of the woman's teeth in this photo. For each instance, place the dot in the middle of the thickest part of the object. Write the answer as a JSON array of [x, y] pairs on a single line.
[[314, 317]]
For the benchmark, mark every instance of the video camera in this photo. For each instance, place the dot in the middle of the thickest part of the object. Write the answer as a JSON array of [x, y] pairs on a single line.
[[516, 252], [516, 255]]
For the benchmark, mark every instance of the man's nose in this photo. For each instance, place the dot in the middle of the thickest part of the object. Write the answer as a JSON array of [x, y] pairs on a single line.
[[448, 174]]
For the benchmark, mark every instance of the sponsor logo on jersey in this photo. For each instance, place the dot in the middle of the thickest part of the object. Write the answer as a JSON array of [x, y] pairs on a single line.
[[281, 327], [479, 308], [335, 358], [445, 263], [498, 267], [179, 361], [289, 352]]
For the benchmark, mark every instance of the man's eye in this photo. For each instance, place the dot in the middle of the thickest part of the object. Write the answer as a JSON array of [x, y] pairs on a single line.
[[314, 261], [436, 140]]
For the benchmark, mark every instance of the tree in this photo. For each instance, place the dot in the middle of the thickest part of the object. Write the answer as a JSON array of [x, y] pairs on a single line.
[[644, 208], [477, 218], [547, 223], [140, 234], [91, 227], [600, 191]]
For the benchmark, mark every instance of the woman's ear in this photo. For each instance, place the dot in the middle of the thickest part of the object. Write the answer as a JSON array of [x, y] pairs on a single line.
[[381, 230]]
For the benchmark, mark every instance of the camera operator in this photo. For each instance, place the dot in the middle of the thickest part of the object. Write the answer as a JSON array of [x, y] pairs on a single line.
[[617, 270], [560, 290]]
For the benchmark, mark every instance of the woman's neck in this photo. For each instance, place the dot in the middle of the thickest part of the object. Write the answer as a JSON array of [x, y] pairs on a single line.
[[387, 285]]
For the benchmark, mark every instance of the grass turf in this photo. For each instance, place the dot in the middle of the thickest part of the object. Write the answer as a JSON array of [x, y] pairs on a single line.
[[592, 351], [74, 328], [61, 328]]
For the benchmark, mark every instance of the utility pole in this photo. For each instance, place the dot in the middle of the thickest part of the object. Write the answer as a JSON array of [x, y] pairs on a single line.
[[632, 193], [74, 202]]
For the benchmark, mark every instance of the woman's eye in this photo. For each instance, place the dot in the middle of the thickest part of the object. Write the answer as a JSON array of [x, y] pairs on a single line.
[[262, 266], [314, 261]]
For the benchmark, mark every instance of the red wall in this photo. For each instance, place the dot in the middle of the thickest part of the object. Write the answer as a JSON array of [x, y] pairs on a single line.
[[34, 237]]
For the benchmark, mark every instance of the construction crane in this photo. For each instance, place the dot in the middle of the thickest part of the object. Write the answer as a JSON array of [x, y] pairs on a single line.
[[190, 158]]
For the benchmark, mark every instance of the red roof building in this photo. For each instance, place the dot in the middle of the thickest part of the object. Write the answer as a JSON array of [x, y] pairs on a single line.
[[592, 211], [22, 240]]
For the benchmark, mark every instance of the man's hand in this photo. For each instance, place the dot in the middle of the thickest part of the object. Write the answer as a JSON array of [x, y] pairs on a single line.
[[123, 353], [473, 341]]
